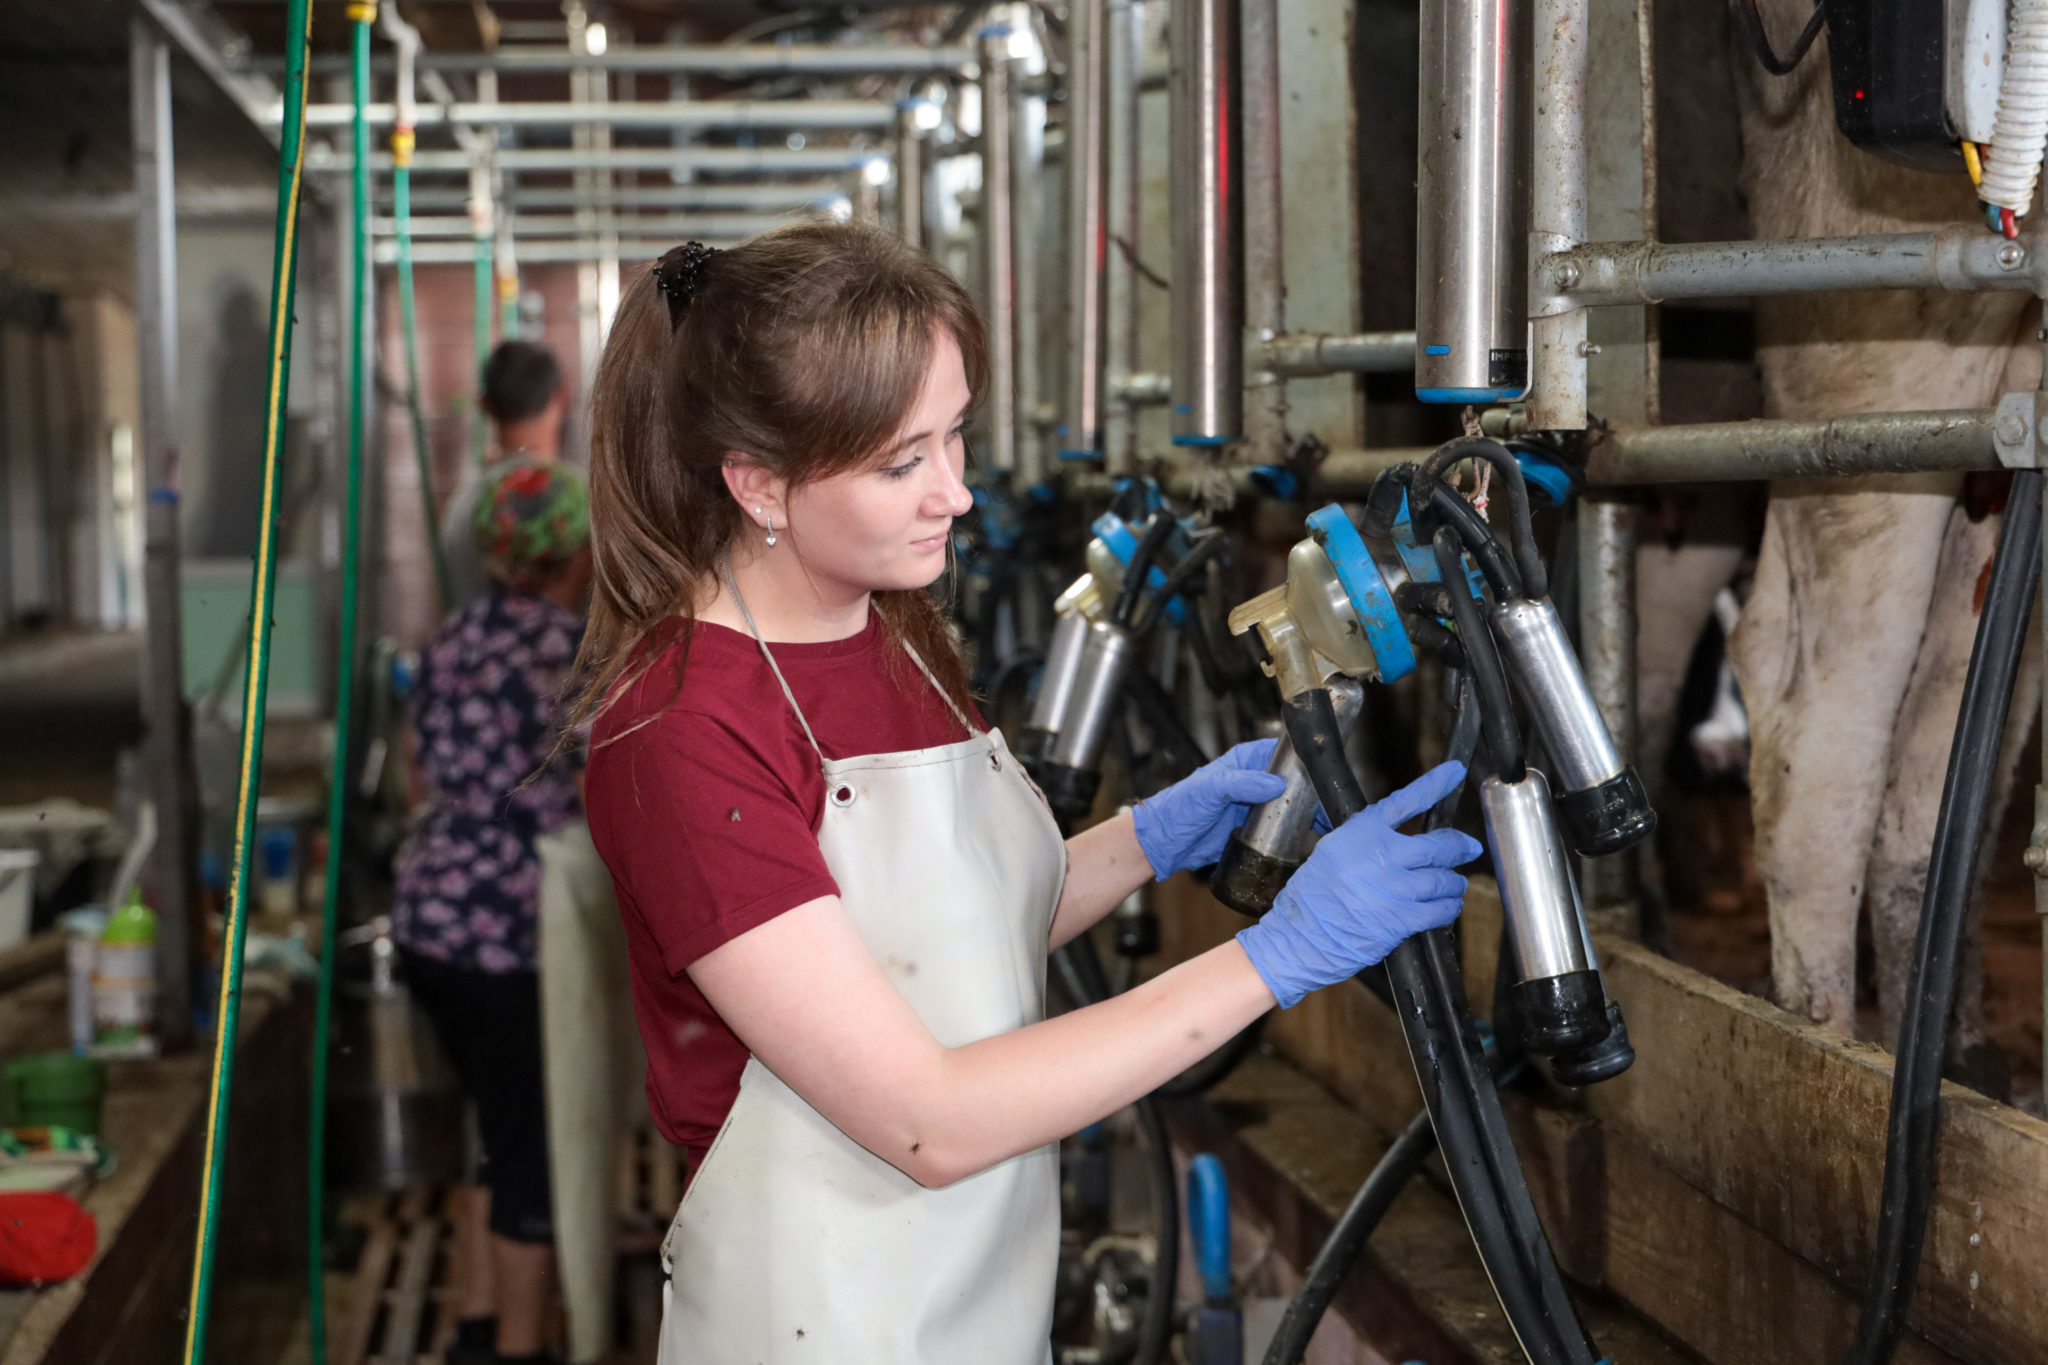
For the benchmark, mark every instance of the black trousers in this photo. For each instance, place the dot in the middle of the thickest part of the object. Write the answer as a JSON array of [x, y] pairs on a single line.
[[489, 1025]]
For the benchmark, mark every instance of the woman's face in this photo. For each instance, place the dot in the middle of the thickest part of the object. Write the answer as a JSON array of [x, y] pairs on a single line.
[[886, 525]]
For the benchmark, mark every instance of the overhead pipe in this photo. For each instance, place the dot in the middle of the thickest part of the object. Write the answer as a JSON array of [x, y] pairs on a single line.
[[728, 160], [1080, 427], [1308, 354], [1027, 189], [1557, 210], [530, 226], [1207, 300], [689, 59], [739, 113], [1471, 247], [1265, 276], [998, 246], [823, 195], [545, 250]]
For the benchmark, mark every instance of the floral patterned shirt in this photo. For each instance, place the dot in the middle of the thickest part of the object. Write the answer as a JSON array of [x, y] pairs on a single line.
[[486, 711]]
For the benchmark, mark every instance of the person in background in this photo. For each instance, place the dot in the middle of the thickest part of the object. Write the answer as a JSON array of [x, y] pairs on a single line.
[[487, 718], [524, 399]]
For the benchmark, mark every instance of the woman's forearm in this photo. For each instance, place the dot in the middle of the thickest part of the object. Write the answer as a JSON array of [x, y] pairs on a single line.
[[1017, 1091], [1104, 865]]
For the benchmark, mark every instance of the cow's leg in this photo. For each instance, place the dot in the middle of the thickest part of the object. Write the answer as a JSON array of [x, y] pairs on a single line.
[[1824, 651], [1919, 763]]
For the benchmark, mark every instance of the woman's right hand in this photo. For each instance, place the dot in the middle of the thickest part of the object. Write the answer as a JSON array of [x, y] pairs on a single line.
[[1366, 887]]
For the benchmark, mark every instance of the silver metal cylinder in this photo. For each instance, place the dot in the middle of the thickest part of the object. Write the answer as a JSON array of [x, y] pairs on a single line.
[[1123, 51], [1536, 894], [1106, 653], [1208, 225], [1539, 654], [1056, 681], [909, 173], [1471, 245], [1080, 427], [998, 246], [1284, 827]]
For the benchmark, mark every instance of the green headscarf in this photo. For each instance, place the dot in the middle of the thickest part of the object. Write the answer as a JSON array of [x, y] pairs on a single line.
[[530, 517]]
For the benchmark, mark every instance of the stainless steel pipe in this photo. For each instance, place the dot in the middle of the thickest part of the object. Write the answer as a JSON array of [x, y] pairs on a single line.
[[1312, 353], [1959, 257], [998, 245], [547, 250], [1080, 428], [739, 113], [1265, 266], [1557, 207], [537, 227], [910, 172], [747, 160], [1868, 443], [1208, 262], [823, 195], [1123, 54], [1471, 237], [708, 59]]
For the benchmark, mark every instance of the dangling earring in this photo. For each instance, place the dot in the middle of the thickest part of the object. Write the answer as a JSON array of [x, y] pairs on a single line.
[[771, 530]]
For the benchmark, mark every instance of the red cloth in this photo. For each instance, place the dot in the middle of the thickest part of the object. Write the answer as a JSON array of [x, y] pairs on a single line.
[[707, 817], [44, 1237]]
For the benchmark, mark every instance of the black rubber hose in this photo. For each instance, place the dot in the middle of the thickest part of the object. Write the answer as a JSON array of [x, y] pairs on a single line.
[[1489, 677], [1457, 1087], [1334, 1259], [1082, 977], [1446, 508], [1530, 560], [1135, 573], [1193, 562], [1339, 1251], [1157, 710], [1914, 1130]]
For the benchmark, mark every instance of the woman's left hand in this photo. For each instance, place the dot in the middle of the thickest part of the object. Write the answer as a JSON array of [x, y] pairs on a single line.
[[1188, 824]]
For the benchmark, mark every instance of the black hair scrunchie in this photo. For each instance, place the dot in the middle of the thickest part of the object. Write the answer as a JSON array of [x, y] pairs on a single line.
[[678, 274]]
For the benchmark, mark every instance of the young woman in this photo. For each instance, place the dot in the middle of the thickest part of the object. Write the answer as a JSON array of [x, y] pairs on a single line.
[[839, 888], [487, 715]]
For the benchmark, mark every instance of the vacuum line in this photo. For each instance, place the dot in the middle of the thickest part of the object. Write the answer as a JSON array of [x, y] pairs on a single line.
[[227, 1018]]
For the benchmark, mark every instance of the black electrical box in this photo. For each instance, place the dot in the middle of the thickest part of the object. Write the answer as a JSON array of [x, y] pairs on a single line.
[[1889, 61]]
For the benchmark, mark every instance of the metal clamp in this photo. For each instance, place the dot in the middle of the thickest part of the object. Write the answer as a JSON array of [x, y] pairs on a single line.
[[2016, 429]]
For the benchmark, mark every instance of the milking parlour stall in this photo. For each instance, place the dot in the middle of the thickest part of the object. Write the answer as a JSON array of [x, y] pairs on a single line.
[[1063, 682]]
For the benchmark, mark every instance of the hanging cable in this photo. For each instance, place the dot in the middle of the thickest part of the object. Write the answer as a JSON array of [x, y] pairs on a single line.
[[228, 1013], [407, 39], [2012, 159], [362, 14], [1753, 25], [1914, 1129]]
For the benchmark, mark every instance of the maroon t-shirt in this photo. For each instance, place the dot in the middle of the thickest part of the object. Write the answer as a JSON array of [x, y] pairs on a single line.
[[708, 814]]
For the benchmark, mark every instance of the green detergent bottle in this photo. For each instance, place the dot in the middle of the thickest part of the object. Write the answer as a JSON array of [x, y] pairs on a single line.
[[124, 982]]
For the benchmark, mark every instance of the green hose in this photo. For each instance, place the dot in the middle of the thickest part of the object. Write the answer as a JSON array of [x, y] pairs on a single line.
[[255, 692], [361, 13], [483, 339], [401, 212]]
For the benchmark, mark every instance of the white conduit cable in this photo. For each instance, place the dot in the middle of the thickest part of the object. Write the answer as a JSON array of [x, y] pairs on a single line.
[[2012, 163]]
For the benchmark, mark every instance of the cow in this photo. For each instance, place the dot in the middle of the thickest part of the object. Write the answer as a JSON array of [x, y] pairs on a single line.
[[1855, 640]]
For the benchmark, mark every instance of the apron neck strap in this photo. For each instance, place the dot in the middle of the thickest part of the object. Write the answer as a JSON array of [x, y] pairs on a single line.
[[732, 586]]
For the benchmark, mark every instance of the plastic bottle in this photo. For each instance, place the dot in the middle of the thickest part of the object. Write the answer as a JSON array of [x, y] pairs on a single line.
[[82, 930], [124, 982]]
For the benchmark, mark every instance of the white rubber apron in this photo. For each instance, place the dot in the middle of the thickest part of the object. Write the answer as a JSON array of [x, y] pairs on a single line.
[[796, 1244]]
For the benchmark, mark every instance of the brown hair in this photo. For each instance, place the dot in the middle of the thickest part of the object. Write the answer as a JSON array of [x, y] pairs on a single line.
[[804, 350]]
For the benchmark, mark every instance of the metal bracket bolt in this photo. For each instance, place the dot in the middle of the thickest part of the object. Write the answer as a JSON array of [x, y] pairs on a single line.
[[2011, 255]]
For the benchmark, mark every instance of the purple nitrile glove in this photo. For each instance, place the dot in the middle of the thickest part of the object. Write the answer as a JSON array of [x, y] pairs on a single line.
[[1188, 824], [1366, 887]]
